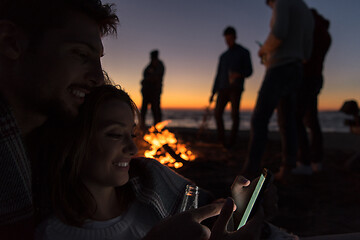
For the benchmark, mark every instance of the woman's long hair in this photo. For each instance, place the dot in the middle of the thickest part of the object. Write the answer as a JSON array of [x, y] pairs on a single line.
[[72, 201]]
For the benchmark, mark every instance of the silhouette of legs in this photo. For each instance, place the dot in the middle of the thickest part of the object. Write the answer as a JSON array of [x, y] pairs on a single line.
[[287, 125], [152, 97], [235, 97], [265, 105], [224, 96], [155, 108], [279, 83], [221, 101], [144, 106], [309, 151]]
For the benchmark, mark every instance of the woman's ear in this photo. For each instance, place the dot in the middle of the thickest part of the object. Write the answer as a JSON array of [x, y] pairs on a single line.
[[11, 40]]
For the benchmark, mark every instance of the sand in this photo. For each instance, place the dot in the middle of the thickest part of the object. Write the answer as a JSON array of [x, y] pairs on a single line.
[[323, 203]]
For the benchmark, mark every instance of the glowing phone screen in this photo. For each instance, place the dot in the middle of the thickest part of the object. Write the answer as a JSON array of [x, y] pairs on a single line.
[[252, 201]]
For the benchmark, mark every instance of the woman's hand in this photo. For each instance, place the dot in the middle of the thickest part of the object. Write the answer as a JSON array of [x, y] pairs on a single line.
[[186, 225], [251, 230], [242, 190]]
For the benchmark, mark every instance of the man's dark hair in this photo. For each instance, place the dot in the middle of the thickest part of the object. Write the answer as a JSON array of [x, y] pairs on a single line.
[[268, 1], [154, 54], [35, 17], [230, 31]]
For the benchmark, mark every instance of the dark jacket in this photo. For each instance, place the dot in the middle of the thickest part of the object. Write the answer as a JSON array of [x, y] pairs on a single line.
[[235, 59]]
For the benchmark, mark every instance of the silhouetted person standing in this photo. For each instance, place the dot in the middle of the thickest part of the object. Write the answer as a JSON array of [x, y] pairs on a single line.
[[312, 152], [234, 66], [350, 107], [151, 87], [288, 44]]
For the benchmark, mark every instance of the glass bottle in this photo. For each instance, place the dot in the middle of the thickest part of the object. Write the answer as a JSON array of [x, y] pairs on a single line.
[[191, 198]]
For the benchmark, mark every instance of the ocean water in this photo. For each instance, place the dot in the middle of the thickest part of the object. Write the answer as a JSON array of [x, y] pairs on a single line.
[[331, 121]]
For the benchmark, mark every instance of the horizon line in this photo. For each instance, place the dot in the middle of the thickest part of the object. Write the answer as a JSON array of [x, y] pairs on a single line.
[[241, 110]]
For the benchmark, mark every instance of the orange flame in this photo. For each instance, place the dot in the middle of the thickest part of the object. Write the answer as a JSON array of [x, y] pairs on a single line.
[[157, 137]]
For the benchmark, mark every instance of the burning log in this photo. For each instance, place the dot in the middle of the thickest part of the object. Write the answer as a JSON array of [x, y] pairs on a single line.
[[172, 153]]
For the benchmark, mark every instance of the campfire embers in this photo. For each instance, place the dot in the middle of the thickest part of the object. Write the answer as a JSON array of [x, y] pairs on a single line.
[[165, 147]]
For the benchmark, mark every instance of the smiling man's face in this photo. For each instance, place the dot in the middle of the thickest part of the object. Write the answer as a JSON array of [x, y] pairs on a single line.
[[65, 66]]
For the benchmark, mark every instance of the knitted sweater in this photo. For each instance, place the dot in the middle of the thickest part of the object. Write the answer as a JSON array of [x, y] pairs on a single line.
[[158, 192]]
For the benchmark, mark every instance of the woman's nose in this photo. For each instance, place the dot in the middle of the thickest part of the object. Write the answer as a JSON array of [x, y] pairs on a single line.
[[131, 147]]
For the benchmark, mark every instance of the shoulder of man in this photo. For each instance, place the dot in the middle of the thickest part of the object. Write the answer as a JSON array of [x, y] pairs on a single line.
[[223, 54], [242, 49]]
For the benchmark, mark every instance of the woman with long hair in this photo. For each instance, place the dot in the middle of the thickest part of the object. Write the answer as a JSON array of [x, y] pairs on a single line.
[[100, 191]]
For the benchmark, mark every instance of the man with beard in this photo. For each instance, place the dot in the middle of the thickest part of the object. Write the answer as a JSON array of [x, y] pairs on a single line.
[[49, 60]]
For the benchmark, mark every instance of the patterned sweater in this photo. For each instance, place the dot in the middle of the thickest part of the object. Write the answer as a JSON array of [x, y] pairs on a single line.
[[15, 171]]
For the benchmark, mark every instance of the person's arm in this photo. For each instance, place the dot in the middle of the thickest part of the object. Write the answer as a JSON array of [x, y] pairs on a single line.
[[248, 70], [244, 67], [217, 79], [308, 46], [241, 191], [186, 225], [270, 45], [251, 230], [145, 72], [279, 28], [357, 119], [162, 70]]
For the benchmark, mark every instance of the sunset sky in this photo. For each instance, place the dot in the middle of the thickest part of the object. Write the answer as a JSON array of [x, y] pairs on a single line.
[[188, 34]]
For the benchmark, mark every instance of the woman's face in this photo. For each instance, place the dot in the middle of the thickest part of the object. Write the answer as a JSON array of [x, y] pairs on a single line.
[[112, 146]]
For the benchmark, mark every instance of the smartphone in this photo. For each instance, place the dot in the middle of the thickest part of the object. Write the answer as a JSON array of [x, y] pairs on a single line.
[[259, 43], [256, 197]]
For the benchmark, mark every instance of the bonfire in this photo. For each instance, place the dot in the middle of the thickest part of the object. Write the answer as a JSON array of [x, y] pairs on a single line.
[[165, 147]]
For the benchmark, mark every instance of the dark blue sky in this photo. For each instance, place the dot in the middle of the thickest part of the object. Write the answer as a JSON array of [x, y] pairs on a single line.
[[188, 34]]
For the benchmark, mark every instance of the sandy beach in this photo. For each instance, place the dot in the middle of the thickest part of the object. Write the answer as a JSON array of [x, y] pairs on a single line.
[[323, 203]]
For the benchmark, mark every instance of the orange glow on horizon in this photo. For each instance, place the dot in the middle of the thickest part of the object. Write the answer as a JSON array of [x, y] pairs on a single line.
[[329, 105], [196, 98]]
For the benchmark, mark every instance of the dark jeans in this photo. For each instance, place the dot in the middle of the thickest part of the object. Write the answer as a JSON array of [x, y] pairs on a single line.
[[152, 98], [224, 96], [307, 117], [278, 90]]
